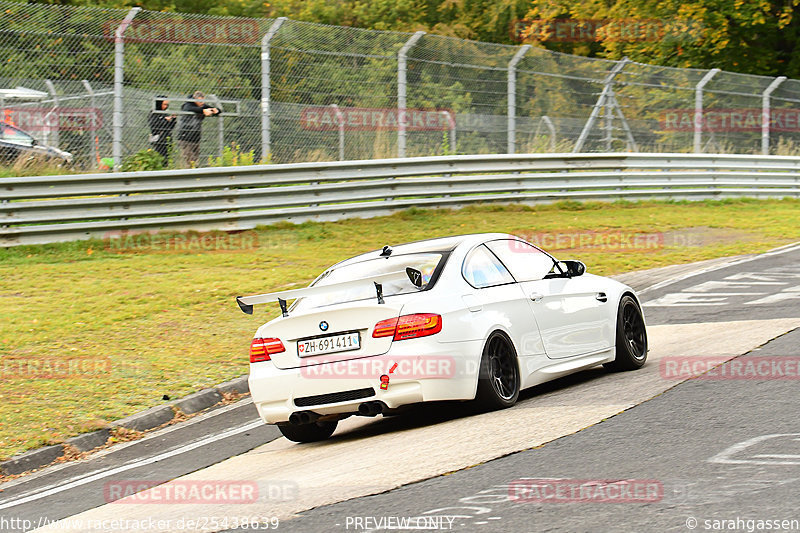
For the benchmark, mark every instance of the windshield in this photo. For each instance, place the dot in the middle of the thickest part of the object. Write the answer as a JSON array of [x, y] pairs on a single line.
[[12, 134], [424, 262]]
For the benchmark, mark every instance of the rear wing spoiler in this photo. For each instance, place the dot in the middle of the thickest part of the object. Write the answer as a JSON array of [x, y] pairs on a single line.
[[246, 303]]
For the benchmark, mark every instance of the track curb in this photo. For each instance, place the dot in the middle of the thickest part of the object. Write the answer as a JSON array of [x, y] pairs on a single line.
[[151, 418]]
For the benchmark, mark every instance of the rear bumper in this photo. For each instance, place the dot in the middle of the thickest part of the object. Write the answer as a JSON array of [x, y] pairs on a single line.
[[445, 372]]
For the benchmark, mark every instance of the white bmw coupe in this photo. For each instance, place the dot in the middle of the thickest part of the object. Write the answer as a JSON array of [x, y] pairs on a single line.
[[474, 317]]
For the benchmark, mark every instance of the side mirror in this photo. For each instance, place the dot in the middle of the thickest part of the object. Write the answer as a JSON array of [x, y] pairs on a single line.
[[574, 268]]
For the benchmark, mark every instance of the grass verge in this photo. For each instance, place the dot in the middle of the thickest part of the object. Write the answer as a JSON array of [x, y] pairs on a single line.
[[93, 331]]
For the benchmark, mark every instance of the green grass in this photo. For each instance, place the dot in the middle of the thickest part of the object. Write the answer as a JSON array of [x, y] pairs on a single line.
[[162, 321], [35, 169]]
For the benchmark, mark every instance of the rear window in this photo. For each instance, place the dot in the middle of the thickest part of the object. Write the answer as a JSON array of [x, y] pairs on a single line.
[[424, 262]]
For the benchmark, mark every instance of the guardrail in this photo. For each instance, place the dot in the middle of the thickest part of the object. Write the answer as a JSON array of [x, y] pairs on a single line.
[[44, 209]]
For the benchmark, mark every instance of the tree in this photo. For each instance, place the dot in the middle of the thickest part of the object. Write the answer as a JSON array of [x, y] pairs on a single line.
[[755, 37]]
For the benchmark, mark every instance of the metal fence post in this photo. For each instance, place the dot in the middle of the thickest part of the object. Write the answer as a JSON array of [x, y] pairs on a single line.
[[766, 114], [119, 80], [214, 99], [340, 124], [609, 134], [93, 133], [512, 97], [601, 101], [401, 92], [221, 134], [266, 149], [51, 88], [698, 109], [451, 124], [550, 127]]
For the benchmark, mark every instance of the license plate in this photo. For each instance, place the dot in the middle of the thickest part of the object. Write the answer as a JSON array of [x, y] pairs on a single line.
[[341, 342]]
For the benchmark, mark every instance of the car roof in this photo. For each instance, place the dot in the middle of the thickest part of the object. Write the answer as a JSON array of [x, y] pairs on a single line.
[[439, 244], [445, 243]]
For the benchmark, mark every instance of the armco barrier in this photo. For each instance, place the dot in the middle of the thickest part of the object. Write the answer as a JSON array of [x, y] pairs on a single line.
[[71, 207]]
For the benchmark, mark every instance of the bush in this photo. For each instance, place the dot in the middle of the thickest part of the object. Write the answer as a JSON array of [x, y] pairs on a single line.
[[232, 156], [143, 160]]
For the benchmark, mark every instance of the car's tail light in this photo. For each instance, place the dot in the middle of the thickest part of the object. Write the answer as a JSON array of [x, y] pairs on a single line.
[[420, 325], [385, 328], [408, 326], [262, 349]]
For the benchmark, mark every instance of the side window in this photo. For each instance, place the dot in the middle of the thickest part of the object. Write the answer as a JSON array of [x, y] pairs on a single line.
[[526, 262], [482, 269]]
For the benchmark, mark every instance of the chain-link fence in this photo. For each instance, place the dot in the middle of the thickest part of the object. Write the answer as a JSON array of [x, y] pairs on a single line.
[[293, 91]]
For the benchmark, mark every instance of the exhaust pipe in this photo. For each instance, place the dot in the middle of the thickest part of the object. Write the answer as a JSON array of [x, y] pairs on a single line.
[[303, 417], [370, 408]]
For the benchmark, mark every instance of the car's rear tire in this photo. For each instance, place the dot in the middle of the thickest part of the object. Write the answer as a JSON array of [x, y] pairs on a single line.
[[631, 347], [313, 432], [498, 378]]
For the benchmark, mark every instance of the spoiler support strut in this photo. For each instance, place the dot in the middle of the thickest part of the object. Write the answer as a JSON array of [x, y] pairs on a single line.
[[248, 309]]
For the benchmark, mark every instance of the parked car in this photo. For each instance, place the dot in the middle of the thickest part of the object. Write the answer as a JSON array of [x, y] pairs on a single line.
[[474, 317], [16, 144]]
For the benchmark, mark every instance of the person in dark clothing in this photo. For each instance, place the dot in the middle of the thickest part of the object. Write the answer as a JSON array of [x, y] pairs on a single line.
[[190, 128], [161, 127]]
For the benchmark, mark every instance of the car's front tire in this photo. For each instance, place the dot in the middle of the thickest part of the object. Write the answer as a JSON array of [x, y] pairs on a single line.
[[631, 346], [498, 380], [313, 432]]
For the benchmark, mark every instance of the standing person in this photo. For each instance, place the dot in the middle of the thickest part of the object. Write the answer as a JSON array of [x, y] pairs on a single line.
[[161, 127], [190, 128]]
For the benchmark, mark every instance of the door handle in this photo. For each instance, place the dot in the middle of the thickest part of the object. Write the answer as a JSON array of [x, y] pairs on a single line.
[[535, 296], [601, 297]]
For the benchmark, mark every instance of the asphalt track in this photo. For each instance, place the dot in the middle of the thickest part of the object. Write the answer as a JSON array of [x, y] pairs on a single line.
[[725, 451], [694, 439]]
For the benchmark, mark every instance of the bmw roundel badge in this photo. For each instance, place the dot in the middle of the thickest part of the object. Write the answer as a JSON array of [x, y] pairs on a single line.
[[323, 326]]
